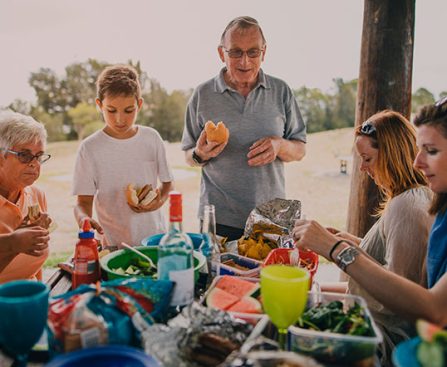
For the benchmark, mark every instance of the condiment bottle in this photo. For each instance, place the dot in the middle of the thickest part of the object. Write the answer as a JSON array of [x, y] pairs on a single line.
[[86, 260]]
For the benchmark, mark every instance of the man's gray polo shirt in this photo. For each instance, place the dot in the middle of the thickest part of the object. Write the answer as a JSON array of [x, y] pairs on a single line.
[[228, 181]]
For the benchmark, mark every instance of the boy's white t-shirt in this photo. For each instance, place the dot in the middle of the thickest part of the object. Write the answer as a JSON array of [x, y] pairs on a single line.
[[105, 166]]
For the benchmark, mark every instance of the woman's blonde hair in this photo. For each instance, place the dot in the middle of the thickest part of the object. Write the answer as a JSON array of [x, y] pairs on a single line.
[[395, 139]]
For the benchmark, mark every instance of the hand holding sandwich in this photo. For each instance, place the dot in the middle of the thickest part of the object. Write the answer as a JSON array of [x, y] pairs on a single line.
[[147, 199]]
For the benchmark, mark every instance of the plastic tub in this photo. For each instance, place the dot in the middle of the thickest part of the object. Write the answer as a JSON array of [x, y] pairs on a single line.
[[282, 256], [107, 356], [123, 258], [154, 240], [253, 266], [333, 347]]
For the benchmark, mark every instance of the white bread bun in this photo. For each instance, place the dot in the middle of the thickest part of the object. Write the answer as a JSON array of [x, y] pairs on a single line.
[[131, 195]]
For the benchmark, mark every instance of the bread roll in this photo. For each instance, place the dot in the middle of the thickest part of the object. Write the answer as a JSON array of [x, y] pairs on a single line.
[[151, 195], [216, 133], [33, 212], [131, 195]]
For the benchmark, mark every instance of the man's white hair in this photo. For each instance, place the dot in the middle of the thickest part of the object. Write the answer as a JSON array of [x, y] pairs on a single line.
[[18, 129]]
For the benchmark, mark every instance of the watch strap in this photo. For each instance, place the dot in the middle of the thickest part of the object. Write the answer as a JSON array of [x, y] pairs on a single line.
[[197, 159]]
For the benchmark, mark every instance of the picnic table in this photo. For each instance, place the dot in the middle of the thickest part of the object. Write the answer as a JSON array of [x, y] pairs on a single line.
[[60, 283]]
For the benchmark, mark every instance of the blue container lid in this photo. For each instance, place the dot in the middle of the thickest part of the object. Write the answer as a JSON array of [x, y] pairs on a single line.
[[105, 356], [154, 240]]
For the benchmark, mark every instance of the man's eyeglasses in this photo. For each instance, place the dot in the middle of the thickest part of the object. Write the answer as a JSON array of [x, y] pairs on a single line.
[[368, 128], [25, 157], [237, 53]]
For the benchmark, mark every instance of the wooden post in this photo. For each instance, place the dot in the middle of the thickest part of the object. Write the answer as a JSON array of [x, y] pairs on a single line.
[[384, 82]]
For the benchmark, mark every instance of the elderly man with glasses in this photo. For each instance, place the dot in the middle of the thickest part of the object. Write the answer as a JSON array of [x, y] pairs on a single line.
[[23, 222], [265, 125]]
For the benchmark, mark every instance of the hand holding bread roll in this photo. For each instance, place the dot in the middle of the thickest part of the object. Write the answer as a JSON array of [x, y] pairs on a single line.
[[216, 133], [33, 212]]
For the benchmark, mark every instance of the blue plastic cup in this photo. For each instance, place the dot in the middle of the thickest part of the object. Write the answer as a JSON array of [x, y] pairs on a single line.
[[24, 314]]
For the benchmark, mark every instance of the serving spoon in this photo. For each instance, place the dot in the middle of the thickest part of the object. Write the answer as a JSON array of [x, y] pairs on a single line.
[[145, 257]]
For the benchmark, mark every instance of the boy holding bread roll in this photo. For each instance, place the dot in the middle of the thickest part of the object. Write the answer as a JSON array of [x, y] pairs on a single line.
[[122, 169]]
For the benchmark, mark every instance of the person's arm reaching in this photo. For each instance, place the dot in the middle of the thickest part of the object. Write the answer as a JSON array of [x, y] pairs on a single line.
[[84, 210], [400, 295]]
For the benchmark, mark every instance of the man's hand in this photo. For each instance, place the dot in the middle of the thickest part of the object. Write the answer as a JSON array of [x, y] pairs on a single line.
[[31, 240], [264, 151], [207, 149]]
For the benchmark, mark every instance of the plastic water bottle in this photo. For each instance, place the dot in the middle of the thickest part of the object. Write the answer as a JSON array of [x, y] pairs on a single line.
[[175, 255], [86, 268], [210, 245]]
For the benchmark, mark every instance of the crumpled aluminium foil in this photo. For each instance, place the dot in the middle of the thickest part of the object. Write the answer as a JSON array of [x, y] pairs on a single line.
[[276, 216], [172, 344]]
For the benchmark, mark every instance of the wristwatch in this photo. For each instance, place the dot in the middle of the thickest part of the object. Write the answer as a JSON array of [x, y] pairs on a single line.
[[346, 257], [197, 159]]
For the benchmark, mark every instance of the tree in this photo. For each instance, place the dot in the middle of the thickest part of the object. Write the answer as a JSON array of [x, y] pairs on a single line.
[[421, 98], [344, 103], [85, 119], [20, 106], [53, 123], [314, 108]]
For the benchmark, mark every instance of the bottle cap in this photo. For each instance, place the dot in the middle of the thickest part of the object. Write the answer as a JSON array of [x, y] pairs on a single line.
[[86, 230], [175, 206]]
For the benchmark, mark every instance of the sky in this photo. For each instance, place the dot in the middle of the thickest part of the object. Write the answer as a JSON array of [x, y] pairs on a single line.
[[309, 42]]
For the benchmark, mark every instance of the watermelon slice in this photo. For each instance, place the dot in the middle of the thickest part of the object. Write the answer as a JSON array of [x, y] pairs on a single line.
[[430, 332], [236, 286], [246, 304], [218, 298]]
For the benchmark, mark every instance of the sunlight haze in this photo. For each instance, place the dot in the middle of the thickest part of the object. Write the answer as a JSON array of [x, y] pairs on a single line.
[[308, 42]]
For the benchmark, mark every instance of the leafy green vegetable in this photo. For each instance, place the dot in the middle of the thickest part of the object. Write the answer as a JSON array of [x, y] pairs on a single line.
[[138, 266], [430, 354], [332, 318]]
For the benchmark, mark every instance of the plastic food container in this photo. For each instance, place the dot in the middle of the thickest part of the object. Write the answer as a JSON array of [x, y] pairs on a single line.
[[252, 318], [123, 258], [333, 347], [253, 266], [282, 256], [154, 240]]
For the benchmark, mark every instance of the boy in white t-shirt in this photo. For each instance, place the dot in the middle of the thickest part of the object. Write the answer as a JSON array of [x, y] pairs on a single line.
[[120, 154]]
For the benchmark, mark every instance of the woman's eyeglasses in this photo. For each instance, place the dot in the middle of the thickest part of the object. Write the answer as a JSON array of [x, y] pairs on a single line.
[[368, 128], [237, 53], [441, 102], [25, 157]]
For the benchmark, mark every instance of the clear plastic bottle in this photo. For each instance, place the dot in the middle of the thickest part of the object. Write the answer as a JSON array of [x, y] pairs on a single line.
[[86, 268], [210, 245], [175, 255]]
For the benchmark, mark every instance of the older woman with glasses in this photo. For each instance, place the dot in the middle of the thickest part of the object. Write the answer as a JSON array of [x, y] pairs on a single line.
[[386, 144], [23, 222]]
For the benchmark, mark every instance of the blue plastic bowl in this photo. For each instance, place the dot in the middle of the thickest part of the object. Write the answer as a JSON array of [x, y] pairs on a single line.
[[107, 356], [154, 240]]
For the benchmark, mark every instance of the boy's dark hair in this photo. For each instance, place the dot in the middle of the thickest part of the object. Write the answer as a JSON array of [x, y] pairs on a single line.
[[118, 80], [435, 115]]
